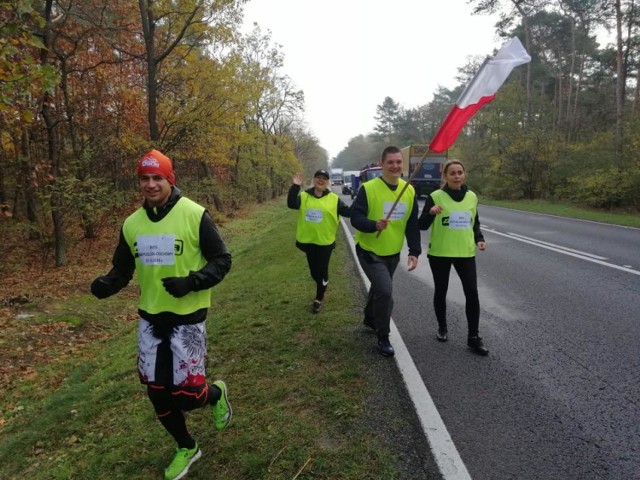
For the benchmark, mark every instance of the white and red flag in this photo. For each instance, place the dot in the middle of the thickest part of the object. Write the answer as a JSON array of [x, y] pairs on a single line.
[[480, 91]]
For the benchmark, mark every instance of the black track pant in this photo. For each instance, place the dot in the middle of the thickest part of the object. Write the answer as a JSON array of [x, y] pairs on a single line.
[[379, 270], [466, 269], [318, 257]]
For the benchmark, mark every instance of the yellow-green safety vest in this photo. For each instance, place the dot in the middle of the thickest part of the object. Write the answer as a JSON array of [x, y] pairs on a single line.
[[380, 198], [168, 248], [317, 219], [452, 229]]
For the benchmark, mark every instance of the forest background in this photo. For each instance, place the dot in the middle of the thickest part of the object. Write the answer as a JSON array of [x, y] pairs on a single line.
[[87, 86]]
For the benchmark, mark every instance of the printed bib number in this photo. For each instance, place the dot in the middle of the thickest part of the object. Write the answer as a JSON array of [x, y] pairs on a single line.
[[313, 215], [459, 221], [156, 249], [399, 212]]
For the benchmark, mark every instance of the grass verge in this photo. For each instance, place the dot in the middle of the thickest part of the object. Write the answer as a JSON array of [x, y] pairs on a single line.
[[298, 382], [568, 210]]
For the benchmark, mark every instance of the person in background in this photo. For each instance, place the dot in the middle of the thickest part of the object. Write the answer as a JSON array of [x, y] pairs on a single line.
[[452, 214], [379, 255], [319, 214], [173, 244]]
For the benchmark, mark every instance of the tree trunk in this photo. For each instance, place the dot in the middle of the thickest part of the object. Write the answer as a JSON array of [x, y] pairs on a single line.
[[527, 40], [567, 128], [574, 119], [619, 84], [155, 58], [148, 30], [52, 150], [27, 184], [215, 198], [560, 101]]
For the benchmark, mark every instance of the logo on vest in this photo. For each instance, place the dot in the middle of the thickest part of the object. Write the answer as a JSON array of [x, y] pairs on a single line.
[[178, 248]]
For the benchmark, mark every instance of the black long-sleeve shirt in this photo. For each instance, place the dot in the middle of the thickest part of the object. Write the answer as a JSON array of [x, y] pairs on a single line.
[[213, 250], [426, 219], [360, 221]]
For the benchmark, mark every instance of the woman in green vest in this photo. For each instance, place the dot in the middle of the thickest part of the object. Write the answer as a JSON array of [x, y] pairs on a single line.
[[452, 214], [319, 214]]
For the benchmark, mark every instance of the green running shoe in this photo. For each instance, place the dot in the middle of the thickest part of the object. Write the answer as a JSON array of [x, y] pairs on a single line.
[[222, 412], [180, 464]]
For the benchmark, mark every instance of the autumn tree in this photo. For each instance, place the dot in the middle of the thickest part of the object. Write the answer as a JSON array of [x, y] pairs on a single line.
[[167, 25], [23, 79]]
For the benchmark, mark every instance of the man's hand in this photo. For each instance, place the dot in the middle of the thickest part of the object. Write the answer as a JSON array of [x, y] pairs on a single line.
[[412, 262], [177, 286], [481, 245], [102, 287], [382, 224], [297, 179]]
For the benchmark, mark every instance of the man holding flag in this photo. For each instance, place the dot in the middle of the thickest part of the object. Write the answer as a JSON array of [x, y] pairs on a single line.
[[380, 236], [480, 91]]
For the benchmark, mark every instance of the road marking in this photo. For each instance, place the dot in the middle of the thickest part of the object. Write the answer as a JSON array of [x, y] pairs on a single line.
[[579, 252], [446, 455], [564, 250]]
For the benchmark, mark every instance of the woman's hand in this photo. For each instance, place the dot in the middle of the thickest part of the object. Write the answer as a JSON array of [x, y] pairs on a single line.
[[297, 179], [481, 245], [435, 210], [412, 263]]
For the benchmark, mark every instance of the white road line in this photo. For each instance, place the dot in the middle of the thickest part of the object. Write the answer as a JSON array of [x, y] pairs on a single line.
[[446, 455], [565, 251], [579, 252]]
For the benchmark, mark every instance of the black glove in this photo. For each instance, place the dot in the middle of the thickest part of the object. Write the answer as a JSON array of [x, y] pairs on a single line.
[[102, 287], [178, 286]]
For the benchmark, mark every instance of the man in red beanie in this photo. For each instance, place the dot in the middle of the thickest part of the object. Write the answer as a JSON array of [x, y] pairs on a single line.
[[174, 245]]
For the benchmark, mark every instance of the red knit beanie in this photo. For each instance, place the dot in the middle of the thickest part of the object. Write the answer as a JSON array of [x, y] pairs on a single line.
[[156, 163]]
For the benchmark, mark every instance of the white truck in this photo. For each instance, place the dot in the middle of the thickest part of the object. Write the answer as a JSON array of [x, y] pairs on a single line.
[[336, 176]]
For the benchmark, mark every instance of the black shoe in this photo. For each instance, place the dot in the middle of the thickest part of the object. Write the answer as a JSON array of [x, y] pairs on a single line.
[[368, 322], [441, 335], [475, 344], [385, 348], [316, 306]]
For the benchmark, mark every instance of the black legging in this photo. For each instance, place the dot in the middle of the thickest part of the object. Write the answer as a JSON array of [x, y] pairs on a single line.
[[318, 257], [169, 404], [466, 269]]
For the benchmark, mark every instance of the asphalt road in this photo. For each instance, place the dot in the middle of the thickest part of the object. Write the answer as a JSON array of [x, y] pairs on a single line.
[[559, 395]]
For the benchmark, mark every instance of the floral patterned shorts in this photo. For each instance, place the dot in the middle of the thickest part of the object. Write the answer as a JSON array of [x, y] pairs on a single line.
[[176, 361]]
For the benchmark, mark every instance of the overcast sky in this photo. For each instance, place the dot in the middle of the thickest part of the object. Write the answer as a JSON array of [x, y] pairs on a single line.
[[348, 55]]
